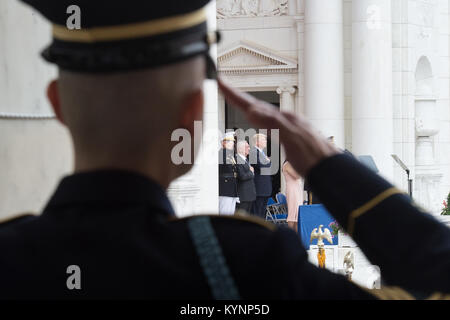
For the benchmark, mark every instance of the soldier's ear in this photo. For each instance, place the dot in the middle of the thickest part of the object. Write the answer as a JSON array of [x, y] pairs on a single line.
[[192, 110], [53, 97]]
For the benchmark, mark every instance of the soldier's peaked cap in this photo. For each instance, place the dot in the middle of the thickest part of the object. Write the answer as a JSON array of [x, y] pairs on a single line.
[[110, 36]]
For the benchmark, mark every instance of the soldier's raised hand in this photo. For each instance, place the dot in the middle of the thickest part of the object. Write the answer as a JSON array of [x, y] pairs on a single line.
[[304, 146]]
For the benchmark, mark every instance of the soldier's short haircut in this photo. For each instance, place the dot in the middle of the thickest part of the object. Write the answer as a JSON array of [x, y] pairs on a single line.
[[142, 104]]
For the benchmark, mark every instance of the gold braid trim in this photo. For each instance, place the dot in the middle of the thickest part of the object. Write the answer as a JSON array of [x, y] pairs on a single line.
[[132, 30], [397, 293], [439, 296], [370, 205], [17, 216], [390, 293]]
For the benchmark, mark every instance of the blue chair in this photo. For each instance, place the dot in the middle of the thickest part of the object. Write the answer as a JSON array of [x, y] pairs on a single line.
[[282, 203], [280, 218], [275, 212], [271, 210], [281, 198]]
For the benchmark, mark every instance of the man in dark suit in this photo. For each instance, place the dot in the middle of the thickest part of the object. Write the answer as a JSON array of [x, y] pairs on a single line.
[[245, 178], [263, 181], [109, 230]]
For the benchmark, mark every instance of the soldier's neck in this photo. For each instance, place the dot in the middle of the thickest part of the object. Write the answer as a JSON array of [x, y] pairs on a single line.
[[157, 169]]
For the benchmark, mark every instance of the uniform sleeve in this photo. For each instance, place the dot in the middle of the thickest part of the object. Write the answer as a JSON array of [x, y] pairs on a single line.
[[411, 247]]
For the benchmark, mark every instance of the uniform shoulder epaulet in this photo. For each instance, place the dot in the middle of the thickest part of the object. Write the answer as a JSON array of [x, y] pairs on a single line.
[[239, 216], [15, 218]]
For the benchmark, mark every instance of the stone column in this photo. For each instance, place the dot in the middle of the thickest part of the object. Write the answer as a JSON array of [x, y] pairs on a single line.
[[287, 98], [183, 194], [372, 114], [427, 175], [287, 103], [324, 67], [35, 150], [221, 112], [292, 7], [198, 191]]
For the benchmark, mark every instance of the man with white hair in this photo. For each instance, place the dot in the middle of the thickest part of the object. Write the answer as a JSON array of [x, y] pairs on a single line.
[[245, 178]]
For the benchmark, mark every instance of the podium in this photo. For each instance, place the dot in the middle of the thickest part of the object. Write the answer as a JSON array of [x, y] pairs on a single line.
[[310, 217]]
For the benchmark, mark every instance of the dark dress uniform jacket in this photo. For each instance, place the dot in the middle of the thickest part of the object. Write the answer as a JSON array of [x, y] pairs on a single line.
[[227, 174], [263, 183], [119, 228], [245, 180]]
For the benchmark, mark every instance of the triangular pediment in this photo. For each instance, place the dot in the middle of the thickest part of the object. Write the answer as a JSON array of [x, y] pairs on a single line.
[[245, 56]]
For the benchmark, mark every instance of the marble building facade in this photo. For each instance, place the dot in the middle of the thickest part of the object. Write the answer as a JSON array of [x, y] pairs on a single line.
[[372, 73]]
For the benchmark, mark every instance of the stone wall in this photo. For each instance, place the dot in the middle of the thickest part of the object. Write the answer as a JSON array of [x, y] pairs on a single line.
[[35, 149]]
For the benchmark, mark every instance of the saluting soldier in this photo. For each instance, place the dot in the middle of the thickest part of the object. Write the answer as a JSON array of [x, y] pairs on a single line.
[[228, 192], [126, 80]]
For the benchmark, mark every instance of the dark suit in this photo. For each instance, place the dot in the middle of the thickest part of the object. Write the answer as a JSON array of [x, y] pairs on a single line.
[[263, 183], [312, 198], [227, 174], [119, 228], [245, 184]]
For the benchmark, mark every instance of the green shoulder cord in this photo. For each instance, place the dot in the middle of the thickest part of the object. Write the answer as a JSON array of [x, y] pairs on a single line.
[[212, 260]]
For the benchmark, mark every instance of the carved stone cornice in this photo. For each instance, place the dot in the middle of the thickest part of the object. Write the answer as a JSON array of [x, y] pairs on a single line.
[[246, 57], [26, 116], [251, 8]]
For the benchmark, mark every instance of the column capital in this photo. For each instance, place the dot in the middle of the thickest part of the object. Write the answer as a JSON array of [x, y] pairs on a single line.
[[289, 89]]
